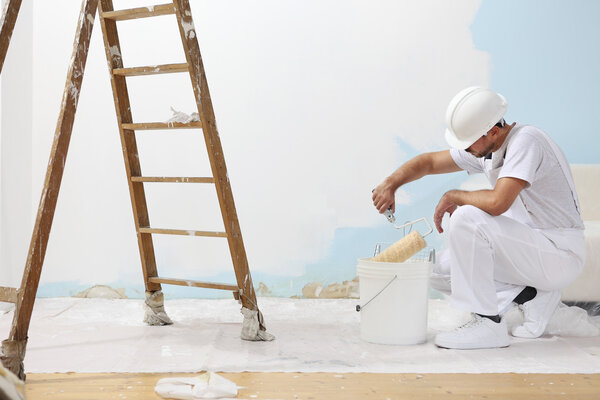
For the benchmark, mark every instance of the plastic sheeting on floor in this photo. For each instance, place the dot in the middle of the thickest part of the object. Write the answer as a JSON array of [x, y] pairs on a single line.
[[99, 335]]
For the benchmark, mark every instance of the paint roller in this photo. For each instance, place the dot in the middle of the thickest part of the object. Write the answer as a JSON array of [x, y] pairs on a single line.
[[406, 247]]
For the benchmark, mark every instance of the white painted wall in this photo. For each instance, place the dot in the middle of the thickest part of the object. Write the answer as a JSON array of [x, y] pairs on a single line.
[[15, 151], [306, 95]]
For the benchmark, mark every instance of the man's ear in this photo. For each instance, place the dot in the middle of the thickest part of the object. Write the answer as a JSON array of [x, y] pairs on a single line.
[[494, 131]]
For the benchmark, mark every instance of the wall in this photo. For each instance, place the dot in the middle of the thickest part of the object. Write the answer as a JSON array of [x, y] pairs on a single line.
[[316, 103], [15, 151]]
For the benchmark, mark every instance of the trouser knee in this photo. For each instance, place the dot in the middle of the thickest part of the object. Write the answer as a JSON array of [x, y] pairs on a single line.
[[467, 216]]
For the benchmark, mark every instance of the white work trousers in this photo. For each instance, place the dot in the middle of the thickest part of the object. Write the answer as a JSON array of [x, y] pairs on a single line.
[[491, 259]]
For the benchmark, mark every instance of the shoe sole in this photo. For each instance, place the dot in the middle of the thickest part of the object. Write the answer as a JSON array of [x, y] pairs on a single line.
[[460, 346], [471, 348]]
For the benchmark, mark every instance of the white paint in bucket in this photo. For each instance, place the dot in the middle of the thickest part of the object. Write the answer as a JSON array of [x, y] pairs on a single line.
[[397, 315]]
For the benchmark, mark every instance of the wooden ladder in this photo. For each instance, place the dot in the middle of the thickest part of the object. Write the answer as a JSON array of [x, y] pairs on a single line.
[[194, 67], [243, 290], [7, 25]]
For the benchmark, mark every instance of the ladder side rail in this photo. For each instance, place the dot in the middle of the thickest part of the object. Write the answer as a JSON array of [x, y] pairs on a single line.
[[215, 152], [7, 25], [54, 173], [129, 146]]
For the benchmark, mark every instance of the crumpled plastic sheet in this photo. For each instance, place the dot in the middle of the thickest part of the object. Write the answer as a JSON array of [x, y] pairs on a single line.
[[179, 116], [205, 386], [573, 321], [566, 321]]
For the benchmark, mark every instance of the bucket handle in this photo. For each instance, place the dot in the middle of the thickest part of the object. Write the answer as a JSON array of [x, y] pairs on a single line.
[[359, 307]]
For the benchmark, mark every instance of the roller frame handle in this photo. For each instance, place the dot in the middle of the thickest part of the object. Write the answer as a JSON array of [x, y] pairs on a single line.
[[414, 222]]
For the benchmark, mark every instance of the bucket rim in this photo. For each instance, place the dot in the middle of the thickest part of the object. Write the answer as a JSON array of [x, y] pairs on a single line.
[[369, 260]]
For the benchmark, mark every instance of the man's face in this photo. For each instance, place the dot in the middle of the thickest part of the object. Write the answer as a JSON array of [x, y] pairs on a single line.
[[482, 147]]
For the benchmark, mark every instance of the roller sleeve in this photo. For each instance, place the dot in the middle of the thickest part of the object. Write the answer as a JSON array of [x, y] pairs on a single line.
[[403, 249]]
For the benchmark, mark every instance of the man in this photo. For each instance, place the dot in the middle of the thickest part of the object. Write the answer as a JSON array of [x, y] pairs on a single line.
[[520, 242]]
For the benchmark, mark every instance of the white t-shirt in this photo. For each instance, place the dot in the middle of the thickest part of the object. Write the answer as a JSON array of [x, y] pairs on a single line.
[[527, 155]]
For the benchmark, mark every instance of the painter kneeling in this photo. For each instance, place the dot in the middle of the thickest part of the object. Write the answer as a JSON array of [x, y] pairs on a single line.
[[520, 242]]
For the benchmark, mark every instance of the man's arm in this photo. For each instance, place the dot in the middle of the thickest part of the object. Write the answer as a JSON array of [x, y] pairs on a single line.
[[440, 162], [494, 202]]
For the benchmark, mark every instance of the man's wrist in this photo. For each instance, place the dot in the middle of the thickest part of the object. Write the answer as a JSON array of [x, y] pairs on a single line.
[[395, 180], [453, 196], [390, 183]]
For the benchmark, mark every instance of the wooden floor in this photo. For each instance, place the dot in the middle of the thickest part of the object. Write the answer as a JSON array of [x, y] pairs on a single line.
[[329, 386]]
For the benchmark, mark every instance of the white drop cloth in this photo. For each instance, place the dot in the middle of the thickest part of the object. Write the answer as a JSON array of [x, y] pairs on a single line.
[[313, 335]]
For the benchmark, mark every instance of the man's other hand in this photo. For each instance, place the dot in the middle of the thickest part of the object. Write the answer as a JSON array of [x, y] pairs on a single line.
[[444, 206]]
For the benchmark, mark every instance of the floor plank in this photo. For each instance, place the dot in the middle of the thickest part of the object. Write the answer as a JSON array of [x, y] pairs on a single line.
[[329, 386]]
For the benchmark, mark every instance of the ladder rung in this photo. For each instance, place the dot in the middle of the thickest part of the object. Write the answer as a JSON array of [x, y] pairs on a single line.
[[140, 12], [183, 282], [8, 294], [146, 126], [174, 179], [151, 70], [182, 232]]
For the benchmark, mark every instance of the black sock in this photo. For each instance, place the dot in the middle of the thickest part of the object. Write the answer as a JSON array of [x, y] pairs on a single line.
[[526, 294], [495, 318]]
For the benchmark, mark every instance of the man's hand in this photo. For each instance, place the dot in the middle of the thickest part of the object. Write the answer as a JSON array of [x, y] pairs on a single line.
[[444, 206], [439, 162], [383, 197]]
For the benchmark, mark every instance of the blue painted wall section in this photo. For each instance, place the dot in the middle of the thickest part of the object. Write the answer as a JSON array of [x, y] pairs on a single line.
[[546, 62]]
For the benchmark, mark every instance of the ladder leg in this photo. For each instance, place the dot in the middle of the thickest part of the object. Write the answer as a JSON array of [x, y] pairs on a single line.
[[7, 25], [129, 146], [215, 152], [14, 347], [154, 305]]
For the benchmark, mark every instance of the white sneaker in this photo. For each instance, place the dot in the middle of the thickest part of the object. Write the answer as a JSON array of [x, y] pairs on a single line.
[[537, 313], [479, 333]]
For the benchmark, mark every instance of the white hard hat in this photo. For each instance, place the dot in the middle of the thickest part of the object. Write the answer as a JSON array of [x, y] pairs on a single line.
[[471, 114]]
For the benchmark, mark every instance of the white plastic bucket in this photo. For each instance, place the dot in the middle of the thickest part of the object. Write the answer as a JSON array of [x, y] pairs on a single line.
[[398, 313]]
